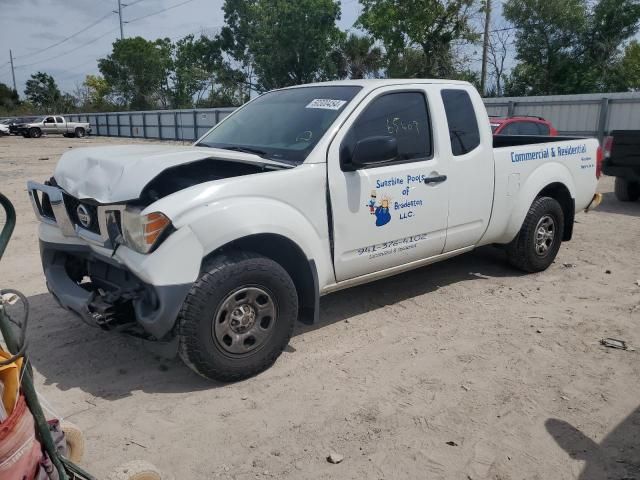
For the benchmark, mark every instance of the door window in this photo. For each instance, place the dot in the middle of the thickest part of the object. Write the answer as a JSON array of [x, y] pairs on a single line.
[[49, 120], [402, 115], [461, 117]]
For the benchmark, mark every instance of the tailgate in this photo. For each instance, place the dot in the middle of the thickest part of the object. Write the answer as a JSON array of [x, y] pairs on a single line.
[[626, 148]]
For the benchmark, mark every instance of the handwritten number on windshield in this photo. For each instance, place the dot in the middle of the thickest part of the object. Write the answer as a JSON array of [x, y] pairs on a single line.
[[395, 125]]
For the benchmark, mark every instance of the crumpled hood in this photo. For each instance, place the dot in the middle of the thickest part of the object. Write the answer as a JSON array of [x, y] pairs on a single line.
[[119, 173]]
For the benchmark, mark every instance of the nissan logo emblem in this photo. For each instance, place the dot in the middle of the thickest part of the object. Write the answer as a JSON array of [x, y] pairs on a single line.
[[83, 216]]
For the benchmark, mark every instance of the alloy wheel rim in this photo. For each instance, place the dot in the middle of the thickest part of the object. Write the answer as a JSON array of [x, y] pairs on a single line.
[[545, 235]]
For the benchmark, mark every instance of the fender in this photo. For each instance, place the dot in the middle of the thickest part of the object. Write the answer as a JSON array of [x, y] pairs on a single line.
[[221, 212], [221, 222], [541, 177]]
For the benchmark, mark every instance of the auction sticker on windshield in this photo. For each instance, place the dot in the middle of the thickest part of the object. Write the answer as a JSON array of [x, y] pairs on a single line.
[[326, 103]]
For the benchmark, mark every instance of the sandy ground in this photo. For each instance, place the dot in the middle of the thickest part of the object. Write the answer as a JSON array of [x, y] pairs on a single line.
[[463, 370]]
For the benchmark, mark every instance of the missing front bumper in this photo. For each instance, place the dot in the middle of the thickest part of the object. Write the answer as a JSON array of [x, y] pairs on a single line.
[[113, 293]]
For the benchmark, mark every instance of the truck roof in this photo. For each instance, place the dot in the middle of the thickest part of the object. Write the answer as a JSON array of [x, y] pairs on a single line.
[[373, 83]]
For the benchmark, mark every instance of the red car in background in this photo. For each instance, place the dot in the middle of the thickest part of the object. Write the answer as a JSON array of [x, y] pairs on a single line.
[[522, 125]]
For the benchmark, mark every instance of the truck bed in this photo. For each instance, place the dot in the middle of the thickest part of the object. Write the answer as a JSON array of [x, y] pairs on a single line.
[[500, 141]]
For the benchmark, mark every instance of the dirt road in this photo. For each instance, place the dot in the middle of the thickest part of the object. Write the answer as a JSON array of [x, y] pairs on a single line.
[[463, 370]]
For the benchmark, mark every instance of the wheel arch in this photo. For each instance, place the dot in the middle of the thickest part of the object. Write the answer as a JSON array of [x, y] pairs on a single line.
[[559, 192], [292, 258], [551, 179]]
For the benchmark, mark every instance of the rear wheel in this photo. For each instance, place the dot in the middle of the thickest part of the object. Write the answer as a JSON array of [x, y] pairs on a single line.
[[35, 132], [238, 317], [626, 190], [537, 244], [80, 132]]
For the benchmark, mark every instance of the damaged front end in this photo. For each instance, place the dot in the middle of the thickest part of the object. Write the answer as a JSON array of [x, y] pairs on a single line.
[[83, 274], [103, 255], [105, 294]]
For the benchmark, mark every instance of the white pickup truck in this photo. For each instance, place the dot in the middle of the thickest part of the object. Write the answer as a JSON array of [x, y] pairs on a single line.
[[53, 124], [216, 249]]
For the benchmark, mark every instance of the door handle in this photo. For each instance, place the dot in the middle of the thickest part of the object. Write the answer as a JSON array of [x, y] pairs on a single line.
[[435, 179]]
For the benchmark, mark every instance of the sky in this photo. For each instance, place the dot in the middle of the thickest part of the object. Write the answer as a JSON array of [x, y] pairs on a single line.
[[32, 29]]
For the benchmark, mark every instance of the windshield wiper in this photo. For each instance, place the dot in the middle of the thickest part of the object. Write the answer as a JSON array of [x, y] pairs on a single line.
[[255, 151]]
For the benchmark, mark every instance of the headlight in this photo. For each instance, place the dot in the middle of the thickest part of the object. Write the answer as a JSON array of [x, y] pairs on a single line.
[[142, 232]]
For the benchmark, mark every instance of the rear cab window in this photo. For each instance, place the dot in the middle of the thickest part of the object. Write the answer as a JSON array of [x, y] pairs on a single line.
[[59, 119], [464, 133], [544, 129], [403, 115]]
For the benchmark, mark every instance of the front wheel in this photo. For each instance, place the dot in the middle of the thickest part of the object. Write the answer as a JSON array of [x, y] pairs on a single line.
[[537, 244], [626, 190], [238, 317], [35, 132]]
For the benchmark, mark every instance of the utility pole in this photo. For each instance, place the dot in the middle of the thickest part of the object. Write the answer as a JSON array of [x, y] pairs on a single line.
[[485, 48], [120, 16], [13, 72]]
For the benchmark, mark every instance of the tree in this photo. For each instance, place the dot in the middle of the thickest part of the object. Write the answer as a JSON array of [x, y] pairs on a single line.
[[431, 26], [500, 43], [546, 35], [137, 71], [41, 90], [359, 57], [570, 46], [93, 95], [611, 24], [194, 65], [8, 97], [285, 43], [630, 66]]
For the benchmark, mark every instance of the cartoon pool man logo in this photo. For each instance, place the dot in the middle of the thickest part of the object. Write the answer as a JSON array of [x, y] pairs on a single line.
[[381, 210]]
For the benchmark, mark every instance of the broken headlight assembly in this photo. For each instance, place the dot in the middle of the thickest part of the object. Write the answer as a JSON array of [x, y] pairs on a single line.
[[143, 233]]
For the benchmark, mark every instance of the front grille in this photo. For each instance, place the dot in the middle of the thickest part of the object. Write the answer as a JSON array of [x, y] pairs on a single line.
[[72, 205]]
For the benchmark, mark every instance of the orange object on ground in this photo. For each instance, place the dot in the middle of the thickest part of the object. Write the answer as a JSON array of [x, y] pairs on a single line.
[[10, 378]]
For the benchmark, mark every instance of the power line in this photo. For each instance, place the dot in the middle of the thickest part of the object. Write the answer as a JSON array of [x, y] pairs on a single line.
[[132, 3], [74, 34], [159, 11], [70, 51]]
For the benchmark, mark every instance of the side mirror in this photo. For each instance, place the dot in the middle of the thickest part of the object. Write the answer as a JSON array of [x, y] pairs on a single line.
[[369, 151]]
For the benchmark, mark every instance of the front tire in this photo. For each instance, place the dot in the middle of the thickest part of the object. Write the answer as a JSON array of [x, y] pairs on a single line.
[[35, 132], [537, 244], [238, 317], [626, 190]]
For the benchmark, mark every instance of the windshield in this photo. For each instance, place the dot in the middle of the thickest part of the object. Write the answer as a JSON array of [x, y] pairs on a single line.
[[283, 125]]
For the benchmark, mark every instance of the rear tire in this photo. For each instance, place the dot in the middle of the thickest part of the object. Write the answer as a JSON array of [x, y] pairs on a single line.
[[626, 190], [238, 317], [35, 132], [537, 244], [80, 132]]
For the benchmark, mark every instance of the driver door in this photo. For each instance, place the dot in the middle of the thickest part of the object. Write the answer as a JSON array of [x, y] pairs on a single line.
[[384, 214]]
